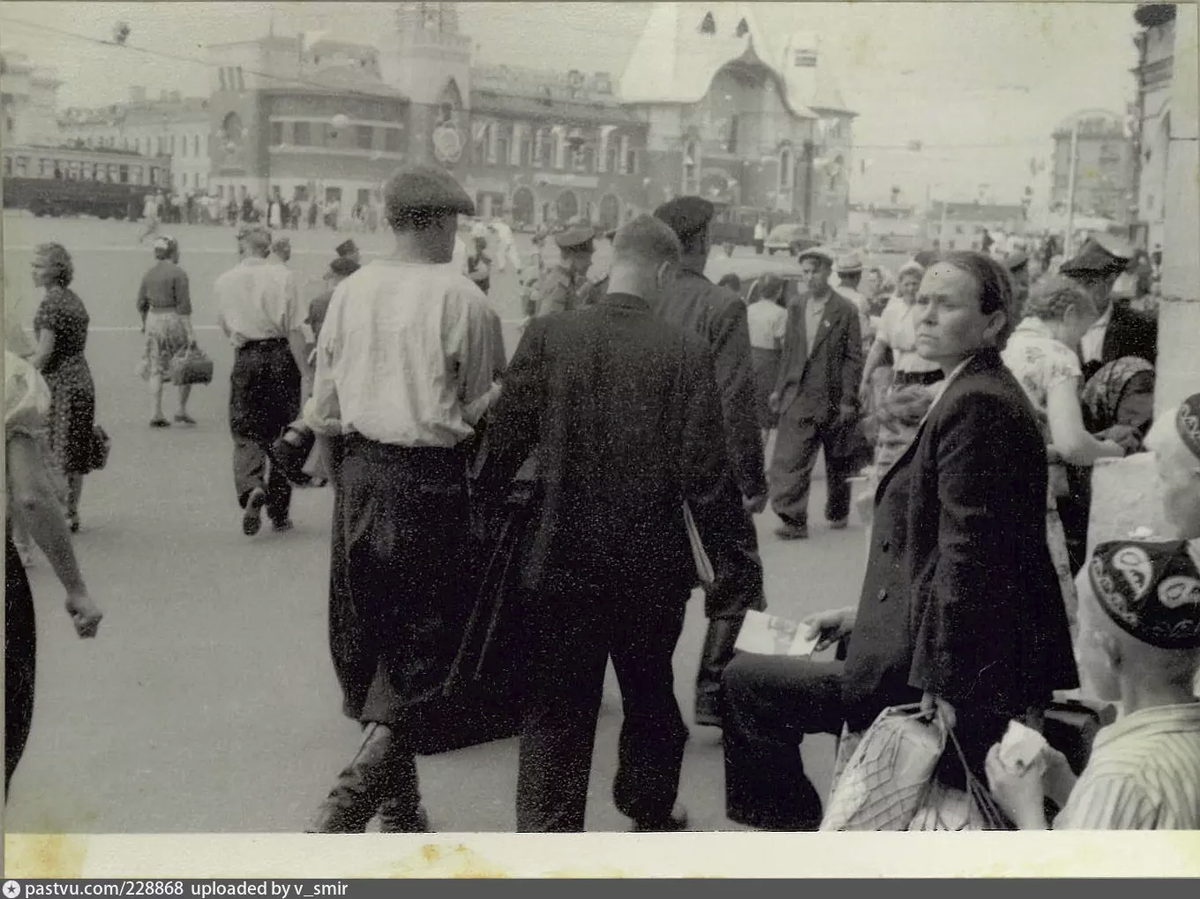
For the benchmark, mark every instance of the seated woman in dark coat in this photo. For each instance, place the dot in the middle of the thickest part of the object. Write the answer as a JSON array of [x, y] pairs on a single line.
[[960, 606]]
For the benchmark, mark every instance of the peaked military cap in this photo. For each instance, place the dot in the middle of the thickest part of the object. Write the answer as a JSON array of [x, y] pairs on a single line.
[[575, 239], [426, 187], [686, 216], [1101, 254]]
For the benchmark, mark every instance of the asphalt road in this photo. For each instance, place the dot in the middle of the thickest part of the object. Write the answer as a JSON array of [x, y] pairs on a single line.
[[208, 702]]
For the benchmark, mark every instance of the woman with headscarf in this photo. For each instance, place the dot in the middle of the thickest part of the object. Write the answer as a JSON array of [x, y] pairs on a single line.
[[33, 502], [60, 328], [1118, 400], [1039, 354]]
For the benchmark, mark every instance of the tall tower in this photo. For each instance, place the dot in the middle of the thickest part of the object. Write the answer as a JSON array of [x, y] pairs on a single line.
[[429, 60]]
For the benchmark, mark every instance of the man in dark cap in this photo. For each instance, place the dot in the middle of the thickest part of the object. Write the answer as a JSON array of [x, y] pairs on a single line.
[[1017, 264], [817, 397], [1120, 331], [719, 316], [623, 413], [348, 249], [1139, 645], [849, 270], [558, 289], [260, 313], [404, 370]]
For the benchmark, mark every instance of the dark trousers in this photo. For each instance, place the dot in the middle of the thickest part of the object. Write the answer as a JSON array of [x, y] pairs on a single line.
[[572, 634], [771, 702], [20, 659], [264, 398], [797, 441]]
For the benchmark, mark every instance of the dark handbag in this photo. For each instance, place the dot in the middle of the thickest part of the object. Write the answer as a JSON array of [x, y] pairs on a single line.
[[99, 450], [851, 448], [191, 366]]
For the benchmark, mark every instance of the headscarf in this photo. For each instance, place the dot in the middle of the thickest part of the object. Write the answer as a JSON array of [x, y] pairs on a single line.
[[1102, 395]]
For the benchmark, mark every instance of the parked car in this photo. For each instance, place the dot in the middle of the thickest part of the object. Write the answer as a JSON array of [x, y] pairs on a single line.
[[792, 238]]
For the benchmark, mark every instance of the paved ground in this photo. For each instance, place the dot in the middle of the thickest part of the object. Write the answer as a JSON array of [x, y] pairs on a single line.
[[208, 702]]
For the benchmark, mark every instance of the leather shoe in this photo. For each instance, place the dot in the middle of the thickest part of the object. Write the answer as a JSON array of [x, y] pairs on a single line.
[[673, 823], [792, 532]]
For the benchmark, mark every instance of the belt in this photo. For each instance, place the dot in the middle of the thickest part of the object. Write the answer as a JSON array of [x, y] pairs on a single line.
[[904, 378], [267, 344]]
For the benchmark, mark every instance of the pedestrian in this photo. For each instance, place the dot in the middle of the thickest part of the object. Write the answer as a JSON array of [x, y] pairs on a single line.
[[33, 502], [339, 270], [623, 412], [164, 303], [506, 247], [314, 211], [259, 311], [61, 329], [558, 289], [348, 249], [760, 236], [849, 271], [149, 216], [767, 322], [718, 317], [479, 265], [405, 365], [815, 398]]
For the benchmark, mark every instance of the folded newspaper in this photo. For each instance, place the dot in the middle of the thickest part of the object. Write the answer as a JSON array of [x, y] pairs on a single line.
[[774, 636]]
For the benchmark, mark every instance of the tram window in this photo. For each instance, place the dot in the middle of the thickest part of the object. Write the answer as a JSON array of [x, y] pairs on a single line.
[[8, 165], [124, 174], [22, 166], [74, 170], [137, 174]]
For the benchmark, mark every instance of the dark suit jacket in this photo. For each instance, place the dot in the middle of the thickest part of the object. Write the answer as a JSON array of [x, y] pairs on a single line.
[[624, 413], [813, 388], [1130, 333], [961, 598], [718, 316]]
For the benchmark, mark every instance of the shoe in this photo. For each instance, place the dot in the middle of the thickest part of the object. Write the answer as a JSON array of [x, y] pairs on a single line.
[[360, 788], [839, 525], [792, 532], [184, 419], [673, 823], [159, 423], [715, 654], [283, 526], [252, 516], [393, 820]]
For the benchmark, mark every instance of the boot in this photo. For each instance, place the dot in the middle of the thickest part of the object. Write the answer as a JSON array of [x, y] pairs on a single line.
[[361, 786], [714, 656], [401, 810]]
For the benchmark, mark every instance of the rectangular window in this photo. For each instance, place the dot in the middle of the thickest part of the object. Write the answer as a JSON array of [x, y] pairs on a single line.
[[183, 145], [300, 193], [196, 180], [22, 166], [391, 139], [301, 134], [276, 134], [333, 195], [221, 72], [124, 174], [364, 196], [137, 174], [241, 81], [172, 144], [502, 149], [8, 165], [631, 163], [220, 191], [623, 159], [364, 137]]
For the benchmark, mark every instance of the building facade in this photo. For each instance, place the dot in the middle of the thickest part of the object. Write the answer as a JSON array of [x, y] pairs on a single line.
[[1104, 166], [28, 101], [960, 226], [1152, 117]]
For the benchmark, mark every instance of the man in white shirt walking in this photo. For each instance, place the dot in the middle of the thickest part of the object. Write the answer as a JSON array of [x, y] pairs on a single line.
[[506, 248]]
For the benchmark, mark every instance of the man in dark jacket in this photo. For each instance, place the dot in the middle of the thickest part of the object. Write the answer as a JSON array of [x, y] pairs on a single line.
[[623, 412], [718, 316]]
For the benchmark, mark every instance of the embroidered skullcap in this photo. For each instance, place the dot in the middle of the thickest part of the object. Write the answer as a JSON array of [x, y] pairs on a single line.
[[1151, 590], [1187, 420]]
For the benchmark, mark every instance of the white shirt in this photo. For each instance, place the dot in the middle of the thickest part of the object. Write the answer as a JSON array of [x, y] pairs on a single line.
[[760, 231], [257, 300], [768, 325], [404, 350], [1091, 346], [503, 232], [461, 253]]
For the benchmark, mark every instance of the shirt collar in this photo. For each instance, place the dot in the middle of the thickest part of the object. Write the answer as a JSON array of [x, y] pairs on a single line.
[[1102, 321], [1163, 719]]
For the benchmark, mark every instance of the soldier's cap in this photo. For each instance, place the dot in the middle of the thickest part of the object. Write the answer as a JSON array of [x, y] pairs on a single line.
[[822, 253], [1100, 255], [686, 216], [426, 187], [164, 245], [255, 235], [1017, 261], [346, 247], [850, 264], [575, 239]]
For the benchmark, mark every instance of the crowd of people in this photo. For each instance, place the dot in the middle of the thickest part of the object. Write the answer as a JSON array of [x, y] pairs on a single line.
[[623, 449]]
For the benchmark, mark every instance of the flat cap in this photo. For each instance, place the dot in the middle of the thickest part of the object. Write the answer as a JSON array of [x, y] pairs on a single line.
[[850, 264], [821, 253], [426, 187], [1017, 261], [1101, 254], [926, 258], [343, 267], [255, 235], [346, 247], [686, 216], [575, 239]]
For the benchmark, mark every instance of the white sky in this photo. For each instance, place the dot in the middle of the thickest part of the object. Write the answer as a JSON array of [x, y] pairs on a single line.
[[996, 77]]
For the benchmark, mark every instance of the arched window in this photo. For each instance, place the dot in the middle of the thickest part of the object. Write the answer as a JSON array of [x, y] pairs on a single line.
[[708, 24], [691, 168], [196, 145], [785, 170], [742, 28], [611, 155]]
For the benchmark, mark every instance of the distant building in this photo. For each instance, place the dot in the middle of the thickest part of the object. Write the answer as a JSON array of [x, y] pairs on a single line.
[[1151, 116], [1104, 170], [171, 125], [29, 100], [960, 226]]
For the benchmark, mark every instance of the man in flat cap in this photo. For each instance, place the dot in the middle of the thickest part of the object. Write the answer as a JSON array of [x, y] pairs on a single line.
[[718, 316], [816, 397], [1017, 264], [623, 412], [558, 288], [849, 270], [1120, 331], [1139, 645], [405, 368], [260, 313], [348, 249]]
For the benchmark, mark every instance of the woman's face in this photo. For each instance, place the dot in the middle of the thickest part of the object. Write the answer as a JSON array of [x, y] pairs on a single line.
[[949, 322], [908, 285], [40, 271], [872, 282]]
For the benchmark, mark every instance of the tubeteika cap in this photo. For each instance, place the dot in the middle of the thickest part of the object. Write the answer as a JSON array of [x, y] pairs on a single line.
[[686, 216], [1187, 421], [1150, 590]]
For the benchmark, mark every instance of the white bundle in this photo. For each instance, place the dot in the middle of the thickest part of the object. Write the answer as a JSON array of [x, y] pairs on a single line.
[[1022, 747]]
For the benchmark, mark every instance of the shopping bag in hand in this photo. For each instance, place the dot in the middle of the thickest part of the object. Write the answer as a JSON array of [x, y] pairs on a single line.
[[947, 808], [888, 775], [191, 366]]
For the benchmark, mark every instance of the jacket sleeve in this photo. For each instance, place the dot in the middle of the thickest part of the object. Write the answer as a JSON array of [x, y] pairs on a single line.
[[967, 624], [515, 419], [735, 379], [852, 363], [790, 336], [552, 296], [143, 300]]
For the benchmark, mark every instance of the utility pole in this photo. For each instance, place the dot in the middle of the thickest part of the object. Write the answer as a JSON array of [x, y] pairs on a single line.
[[1072, 172]]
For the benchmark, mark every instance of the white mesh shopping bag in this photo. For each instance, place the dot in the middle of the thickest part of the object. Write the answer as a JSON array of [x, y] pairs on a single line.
[[887, 777]]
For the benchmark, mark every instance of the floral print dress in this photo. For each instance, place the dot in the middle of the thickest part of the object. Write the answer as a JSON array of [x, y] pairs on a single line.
[[1041, 362], [72, 391]]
